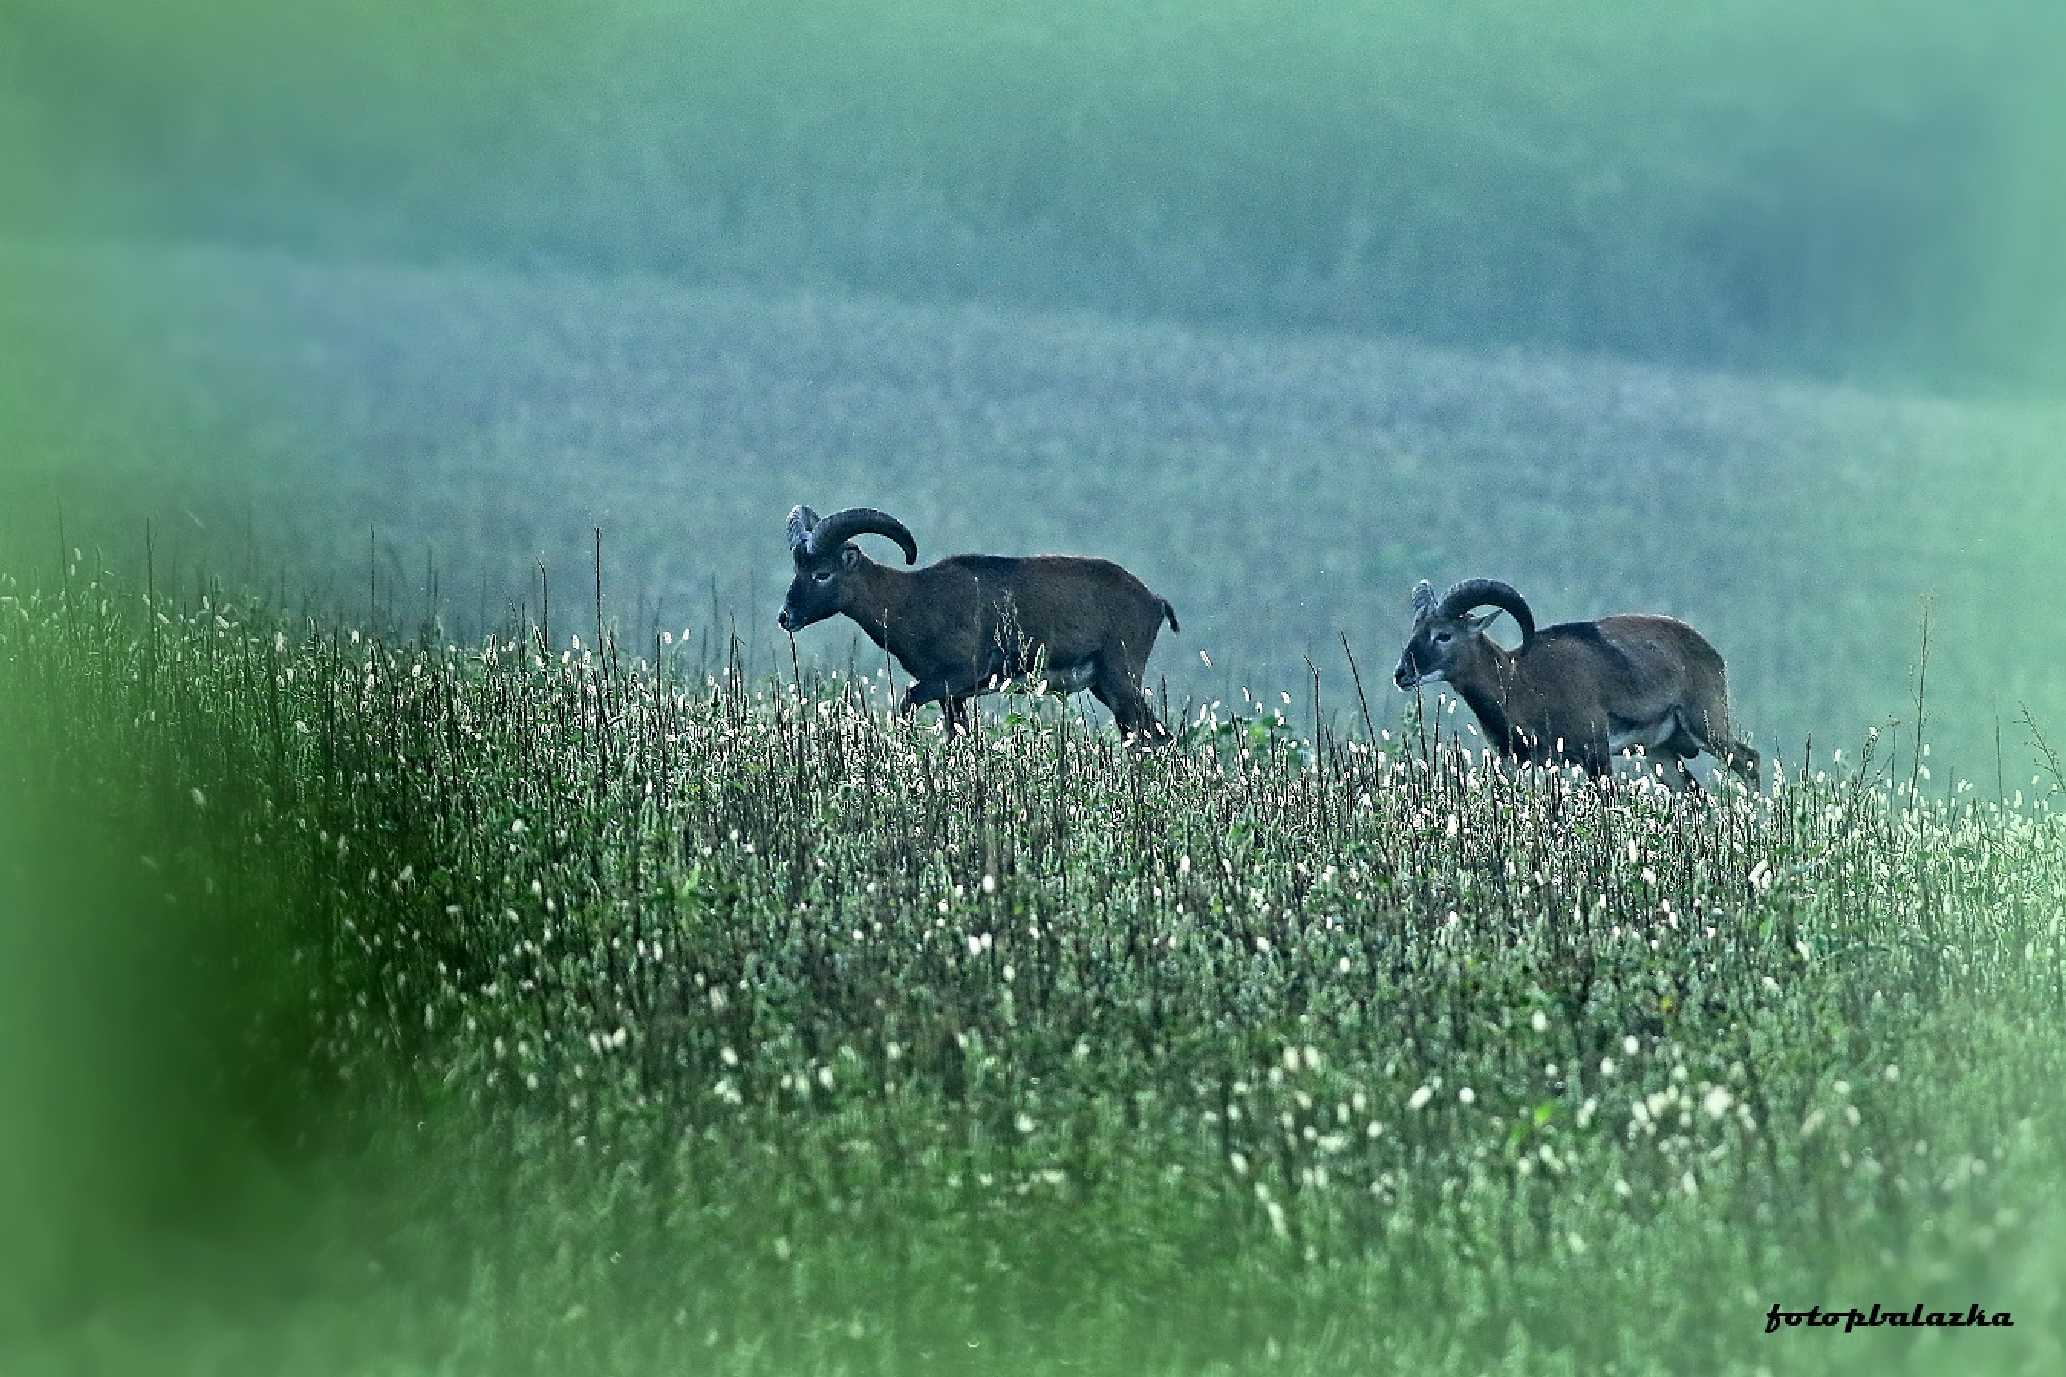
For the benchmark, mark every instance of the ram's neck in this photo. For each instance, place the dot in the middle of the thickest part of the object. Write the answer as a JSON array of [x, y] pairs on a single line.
[[877, 601], [1488, 688]]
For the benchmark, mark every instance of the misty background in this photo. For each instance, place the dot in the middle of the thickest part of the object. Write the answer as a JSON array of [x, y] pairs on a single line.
[[1742, 313]]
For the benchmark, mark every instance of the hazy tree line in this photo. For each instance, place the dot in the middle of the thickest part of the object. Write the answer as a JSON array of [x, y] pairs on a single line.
[[1867, 189]]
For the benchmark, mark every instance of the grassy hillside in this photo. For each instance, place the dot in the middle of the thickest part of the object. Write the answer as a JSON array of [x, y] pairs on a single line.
[[1279, 489], [1856, 186], [375, 1010]]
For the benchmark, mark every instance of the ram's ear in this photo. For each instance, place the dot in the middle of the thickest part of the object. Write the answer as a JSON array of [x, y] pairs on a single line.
[[1423, 600], [801, 519], [849, 556], [1479, 624]]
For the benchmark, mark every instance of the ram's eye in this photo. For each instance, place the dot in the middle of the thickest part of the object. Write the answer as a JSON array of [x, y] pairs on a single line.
[[1442, 638], [822, 576]]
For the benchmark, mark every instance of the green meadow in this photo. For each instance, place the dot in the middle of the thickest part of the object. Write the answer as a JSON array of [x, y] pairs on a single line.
[[386, 1007]]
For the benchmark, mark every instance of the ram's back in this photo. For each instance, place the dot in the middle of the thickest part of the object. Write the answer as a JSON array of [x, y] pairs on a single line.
[[1070, 606]]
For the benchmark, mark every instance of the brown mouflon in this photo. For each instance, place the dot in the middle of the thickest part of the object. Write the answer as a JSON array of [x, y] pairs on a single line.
[[966, 625], [1580, 692]]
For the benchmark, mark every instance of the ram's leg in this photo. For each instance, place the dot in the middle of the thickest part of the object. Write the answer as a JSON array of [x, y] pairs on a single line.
[[957, 710], [936, 689], [1597, 758], [1745, 762], [1669, 768], [1131, 710], [1733, 754], [954, 693], [915, 697]]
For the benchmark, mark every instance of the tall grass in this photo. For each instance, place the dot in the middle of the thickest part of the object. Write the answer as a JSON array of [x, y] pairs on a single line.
[[586, 1014]]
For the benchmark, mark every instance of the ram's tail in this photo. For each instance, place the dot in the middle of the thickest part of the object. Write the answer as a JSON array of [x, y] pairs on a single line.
[[1169, 612]]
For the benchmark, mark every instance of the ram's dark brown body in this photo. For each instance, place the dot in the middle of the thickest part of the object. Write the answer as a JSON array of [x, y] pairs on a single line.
[[968, 624], [1583, 691]]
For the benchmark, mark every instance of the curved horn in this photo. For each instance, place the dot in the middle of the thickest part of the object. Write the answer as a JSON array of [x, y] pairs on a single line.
[[1489, 593], [801, 519], [837, 529]]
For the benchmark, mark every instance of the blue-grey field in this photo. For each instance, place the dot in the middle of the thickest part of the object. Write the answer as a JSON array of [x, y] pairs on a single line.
[[1279, 489]]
